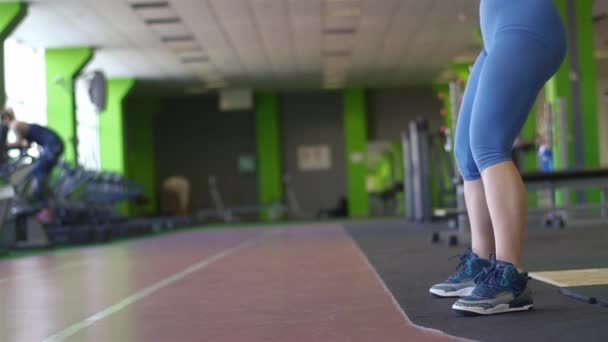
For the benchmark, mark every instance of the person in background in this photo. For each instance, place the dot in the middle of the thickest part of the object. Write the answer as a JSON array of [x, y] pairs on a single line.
[[47, 139]]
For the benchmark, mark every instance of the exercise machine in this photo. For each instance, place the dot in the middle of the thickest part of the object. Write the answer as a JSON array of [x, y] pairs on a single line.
[[274, 212]]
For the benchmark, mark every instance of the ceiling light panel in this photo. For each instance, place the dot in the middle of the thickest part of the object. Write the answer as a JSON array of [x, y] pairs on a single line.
[[162, 21], [140, 4], [335, 65], [343, 8], [205, 70], [342, 14], [194, 60]]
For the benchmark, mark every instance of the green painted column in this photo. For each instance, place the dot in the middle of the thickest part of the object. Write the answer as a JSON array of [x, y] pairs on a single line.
[[62, 66], [11, 14], [140, 159], [268, 144], [111, 126], [588, 84], [559, 86], [528, 133], [576, 82], [355, 133], [529, 160]]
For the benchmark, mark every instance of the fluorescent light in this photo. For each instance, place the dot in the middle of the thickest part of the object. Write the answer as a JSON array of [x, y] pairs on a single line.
[[188, 49], [195, 59], [161, 21], [150, 4], [339, 30], [185, 38]]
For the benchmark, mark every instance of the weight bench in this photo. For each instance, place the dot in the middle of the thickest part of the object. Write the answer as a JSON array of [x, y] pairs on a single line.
[[553, 182], [570, 180]]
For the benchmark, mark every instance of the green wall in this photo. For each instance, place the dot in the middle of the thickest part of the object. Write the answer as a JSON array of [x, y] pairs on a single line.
[[111, 126], [140, 161], [588, 79], [561, 86], [268, 144], [528, 133], [11, 14], [355, 133], [62, 66]]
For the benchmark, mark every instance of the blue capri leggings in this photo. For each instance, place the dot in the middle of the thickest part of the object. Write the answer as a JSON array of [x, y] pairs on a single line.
[[524, 45]]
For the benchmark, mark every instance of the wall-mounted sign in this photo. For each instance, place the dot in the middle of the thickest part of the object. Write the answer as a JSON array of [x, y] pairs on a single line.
[[246, 163], [314, 158]]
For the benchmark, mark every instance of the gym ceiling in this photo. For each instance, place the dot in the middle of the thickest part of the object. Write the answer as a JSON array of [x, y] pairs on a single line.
[[280, 44]]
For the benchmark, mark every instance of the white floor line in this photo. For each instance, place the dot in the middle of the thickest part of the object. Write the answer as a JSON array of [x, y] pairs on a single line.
[[390, 294], [46, 272], [139, 295]]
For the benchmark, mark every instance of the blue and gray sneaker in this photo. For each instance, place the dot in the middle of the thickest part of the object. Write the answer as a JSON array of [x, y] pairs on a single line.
[[500, 288], [461, 284]]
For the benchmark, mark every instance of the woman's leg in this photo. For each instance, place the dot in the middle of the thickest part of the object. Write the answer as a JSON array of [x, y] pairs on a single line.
[[482, 236], [472, 263], [515, 70], [513, 74]]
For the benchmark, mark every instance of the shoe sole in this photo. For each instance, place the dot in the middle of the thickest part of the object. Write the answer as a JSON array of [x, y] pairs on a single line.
[[459, 293], [498, 309]]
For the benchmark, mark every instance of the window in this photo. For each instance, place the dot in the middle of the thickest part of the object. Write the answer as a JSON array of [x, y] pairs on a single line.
[[87, 126], [25, 83]]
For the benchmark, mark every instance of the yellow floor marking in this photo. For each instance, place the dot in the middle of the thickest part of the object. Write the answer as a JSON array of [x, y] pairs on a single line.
[[570, 278]]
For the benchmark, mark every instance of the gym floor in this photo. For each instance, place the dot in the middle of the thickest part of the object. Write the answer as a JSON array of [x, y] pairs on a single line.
[[365, 281]]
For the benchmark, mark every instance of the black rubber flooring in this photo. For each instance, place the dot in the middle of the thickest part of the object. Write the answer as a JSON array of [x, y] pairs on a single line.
[[408, 263], [594, 294]]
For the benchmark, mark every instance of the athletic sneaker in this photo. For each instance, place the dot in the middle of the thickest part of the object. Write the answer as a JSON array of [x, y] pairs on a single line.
[[461, 284], [500, 288]]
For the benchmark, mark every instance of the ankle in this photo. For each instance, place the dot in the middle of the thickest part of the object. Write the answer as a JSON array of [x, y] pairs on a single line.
[[482, 252], [511, 259]]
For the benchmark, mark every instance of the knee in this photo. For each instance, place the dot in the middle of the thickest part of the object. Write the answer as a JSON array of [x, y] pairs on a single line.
[[488, 152], [464, 159]]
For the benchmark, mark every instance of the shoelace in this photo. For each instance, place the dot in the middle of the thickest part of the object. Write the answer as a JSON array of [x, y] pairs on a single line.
[[463, 260], [489, 275]]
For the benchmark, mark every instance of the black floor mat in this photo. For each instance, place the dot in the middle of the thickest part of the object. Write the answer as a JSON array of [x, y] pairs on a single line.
[[408, 263], [594, 294]]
